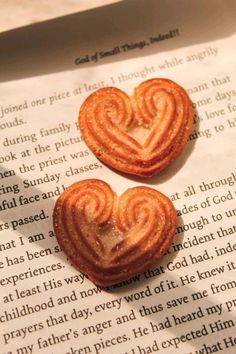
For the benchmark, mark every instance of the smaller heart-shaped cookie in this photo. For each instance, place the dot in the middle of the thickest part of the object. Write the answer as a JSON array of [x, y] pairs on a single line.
[[111, 238], [141, 134]]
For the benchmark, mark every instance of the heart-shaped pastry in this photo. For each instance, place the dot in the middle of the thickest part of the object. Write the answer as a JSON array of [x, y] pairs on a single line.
[[140, 134], [111, 238]]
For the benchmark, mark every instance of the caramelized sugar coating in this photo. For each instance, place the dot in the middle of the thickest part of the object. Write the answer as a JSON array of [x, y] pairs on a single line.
[[141, 134], [111, 238]]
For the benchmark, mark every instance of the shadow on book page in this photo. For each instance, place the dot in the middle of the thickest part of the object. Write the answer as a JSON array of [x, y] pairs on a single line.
[[119, 31]]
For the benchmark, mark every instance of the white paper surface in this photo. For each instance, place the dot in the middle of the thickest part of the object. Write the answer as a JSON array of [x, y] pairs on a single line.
[[186, 304]]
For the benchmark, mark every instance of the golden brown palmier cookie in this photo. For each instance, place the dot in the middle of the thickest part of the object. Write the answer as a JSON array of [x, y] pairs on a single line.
[[111, 238], [141, 134]]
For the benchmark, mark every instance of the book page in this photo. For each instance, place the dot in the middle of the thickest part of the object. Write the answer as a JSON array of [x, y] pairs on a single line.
[[186, 302]]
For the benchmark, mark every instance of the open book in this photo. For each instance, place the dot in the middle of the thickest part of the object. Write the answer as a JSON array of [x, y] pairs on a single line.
[[186, 303]]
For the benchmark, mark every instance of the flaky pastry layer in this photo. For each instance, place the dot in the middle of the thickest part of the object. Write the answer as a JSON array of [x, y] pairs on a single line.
[[141, 134], [111, 238]]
